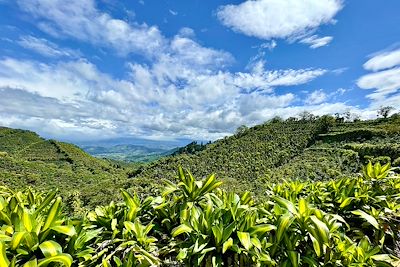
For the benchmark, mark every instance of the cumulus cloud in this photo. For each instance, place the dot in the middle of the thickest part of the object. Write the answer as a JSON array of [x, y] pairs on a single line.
[[167, 97], [315, 41], [183, 90], [81, 19], [45, 47], [286, 19], [316, 97]]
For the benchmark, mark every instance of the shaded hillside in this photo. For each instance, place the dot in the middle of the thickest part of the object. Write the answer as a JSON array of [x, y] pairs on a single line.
[[29, 160], [308, 149]]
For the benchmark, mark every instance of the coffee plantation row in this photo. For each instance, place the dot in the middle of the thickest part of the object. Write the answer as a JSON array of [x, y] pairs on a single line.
[[340, 222]]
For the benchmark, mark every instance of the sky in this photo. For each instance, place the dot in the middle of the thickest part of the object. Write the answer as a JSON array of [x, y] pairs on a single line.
[[192, 69]]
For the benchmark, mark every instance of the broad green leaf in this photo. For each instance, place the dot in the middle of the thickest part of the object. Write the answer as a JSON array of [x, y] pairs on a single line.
[[52, 214], [284, 222], [217, 231], [261, 229], [302, 206], [316, 245], [27, 220], [50, 248], [294, 257], [228, 231], [65, 229], [322, 229], [227, 244], [286, 204], [182, 254], [64, 259], [256, 242], [3, 257], [17, 239], [31, 263], [244, 238], [183, 228], [346, 202], [367, 217], [46, 202]]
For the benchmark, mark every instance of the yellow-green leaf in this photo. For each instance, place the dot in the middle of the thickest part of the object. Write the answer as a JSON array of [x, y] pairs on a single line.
[[65, 229], [31, 263], [367, 217], [64, 259], [183, 228], [284, 222], [17, 239], [50, 248], [227, 244], [27, 220], [245, 239], [261, 229], [346, 202], [52, 214], [3, 257], [322, 229]]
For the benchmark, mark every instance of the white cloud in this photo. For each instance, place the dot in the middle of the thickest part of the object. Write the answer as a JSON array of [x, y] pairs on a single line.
[[45, 47], [383, 60], [285, 19], [269, 45], [316, 97], [169, 97], [384, 80], [80, 19], [315, 41], [184, 90]]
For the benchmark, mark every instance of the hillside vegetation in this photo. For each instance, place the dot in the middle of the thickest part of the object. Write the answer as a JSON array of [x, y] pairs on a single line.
[[341, 222], [313, 149], [28, 160], [308, 149]]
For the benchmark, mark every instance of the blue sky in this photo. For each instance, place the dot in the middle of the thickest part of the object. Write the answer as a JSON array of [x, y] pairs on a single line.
[[191, 69]]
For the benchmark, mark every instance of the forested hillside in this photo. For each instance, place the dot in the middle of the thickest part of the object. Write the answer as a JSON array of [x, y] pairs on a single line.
[[316, 149], [307, 149], [29, 160], [289, 193]]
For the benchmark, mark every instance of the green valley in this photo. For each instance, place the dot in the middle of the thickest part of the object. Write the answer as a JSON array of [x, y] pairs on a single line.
[[298, 192]]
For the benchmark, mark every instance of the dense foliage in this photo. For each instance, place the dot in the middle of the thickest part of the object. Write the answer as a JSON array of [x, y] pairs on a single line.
[[341, 222], [309, 148], [191, 148]]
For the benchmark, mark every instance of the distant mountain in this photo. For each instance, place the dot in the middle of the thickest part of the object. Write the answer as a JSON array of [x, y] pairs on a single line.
[[152, 144], [129, 153]]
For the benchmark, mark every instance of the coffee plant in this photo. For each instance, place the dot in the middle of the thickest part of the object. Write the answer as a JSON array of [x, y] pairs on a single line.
[[340, 222]]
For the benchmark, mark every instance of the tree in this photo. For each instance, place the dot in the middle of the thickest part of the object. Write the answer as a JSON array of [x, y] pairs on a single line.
[[241, 129], [307, 116], [385, 111]]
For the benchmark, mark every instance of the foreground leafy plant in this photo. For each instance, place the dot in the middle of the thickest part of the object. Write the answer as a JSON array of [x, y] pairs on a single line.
[[342, 222]]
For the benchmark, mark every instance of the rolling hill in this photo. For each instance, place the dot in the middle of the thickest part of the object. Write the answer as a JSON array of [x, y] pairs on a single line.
[[26, 159], [317, 149]]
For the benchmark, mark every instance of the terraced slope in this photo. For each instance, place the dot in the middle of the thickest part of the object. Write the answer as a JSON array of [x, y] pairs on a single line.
[[29, 160], [318, 150]]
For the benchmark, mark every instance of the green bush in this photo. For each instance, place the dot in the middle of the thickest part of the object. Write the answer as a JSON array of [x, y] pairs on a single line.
[[340, 222]]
